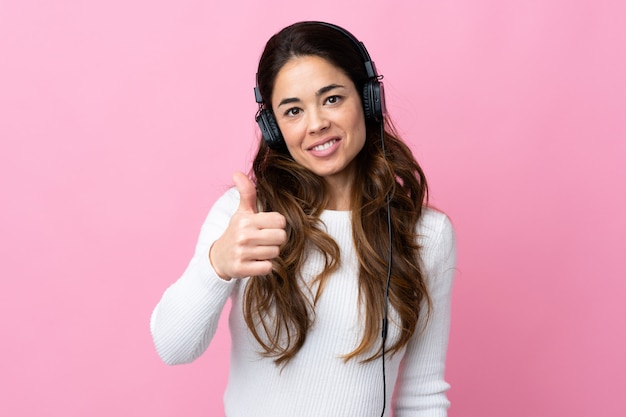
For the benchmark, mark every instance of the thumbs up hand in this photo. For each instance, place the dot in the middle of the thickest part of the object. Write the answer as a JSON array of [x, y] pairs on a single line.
[[251, 240]]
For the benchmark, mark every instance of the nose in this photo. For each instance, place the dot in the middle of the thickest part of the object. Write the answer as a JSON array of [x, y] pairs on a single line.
[[318, 122]]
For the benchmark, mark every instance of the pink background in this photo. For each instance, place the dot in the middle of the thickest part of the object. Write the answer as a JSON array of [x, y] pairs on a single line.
[[122, 121]]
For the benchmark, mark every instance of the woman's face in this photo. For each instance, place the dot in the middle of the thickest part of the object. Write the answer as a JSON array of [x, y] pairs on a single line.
[[320, 115]]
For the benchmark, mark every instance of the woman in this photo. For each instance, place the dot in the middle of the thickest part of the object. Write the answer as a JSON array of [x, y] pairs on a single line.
[[328, 246]]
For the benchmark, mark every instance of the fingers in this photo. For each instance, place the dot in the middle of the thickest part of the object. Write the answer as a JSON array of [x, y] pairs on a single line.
[[255, 268], [262, 221], [247, 192], [240, 268], [261, 254], [262, 237], [247, 261]]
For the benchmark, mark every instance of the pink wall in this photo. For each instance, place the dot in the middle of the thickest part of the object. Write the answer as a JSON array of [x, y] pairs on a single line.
[[121, 121]]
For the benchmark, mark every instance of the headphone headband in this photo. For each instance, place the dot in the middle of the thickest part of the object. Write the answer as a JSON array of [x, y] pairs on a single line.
[[370, 68]]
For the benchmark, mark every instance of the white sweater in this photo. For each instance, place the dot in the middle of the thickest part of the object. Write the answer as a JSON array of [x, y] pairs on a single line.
[[316, 382]]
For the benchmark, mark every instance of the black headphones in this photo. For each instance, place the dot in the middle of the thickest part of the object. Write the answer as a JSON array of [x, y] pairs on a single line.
[[373, 96]]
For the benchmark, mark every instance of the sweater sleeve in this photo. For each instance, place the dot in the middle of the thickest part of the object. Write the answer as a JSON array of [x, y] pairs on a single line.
[[185, 319], [421, 388]]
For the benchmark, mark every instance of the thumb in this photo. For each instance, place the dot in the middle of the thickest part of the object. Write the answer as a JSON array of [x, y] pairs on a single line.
[[247, 192]]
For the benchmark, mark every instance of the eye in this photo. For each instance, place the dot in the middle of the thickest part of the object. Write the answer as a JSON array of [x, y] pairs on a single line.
[[291, 112], [333, 99]]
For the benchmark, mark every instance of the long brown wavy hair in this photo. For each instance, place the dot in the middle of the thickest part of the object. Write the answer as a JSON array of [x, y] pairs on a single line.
[[278, 309]]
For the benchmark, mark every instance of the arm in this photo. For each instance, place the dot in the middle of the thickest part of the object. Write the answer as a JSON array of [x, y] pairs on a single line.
[[185, 319], [421, 388], [235, 242]]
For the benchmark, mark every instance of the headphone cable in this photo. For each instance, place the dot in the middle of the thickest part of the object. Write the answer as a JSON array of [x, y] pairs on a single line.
[[386, 310]]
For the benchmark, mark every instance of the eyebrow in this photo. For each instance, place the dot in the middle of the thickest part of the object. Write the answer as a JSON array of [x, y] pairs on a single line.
[[319, 92]]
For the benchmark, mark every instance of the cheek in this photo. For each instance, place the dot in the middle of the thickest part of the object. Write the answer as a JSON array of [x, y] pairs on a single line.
[[292, 135], [358, 127]]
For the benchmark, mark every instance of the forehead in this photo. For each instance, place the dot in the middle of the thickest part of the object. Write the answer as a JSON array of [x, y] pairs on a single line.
[[307, 74]]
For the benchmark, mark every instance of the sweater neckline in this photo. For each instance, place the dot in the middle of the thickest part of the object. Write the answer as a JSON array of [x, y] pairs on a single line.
[[335, 214]]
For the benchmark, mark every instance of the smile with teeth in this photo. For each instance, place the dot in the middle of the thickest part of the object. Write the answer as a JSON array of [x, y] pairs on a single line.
[[324, 146]]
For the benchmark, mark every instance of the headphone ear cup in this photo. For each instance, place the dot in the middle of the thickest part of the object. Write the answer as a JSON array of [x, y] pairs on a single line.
[[374, 101], [269, 130]]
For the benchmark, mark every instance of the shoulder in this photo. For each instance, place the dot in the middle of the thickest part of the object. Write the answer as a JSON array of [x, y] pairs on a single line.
[[227, 202], [433, 226], [436, 236], [230, 197], [221, 211]]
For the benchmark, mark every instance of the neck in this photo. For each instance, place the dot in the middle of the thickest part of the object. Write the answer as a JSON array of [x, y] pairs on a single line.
[[340, 195]]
